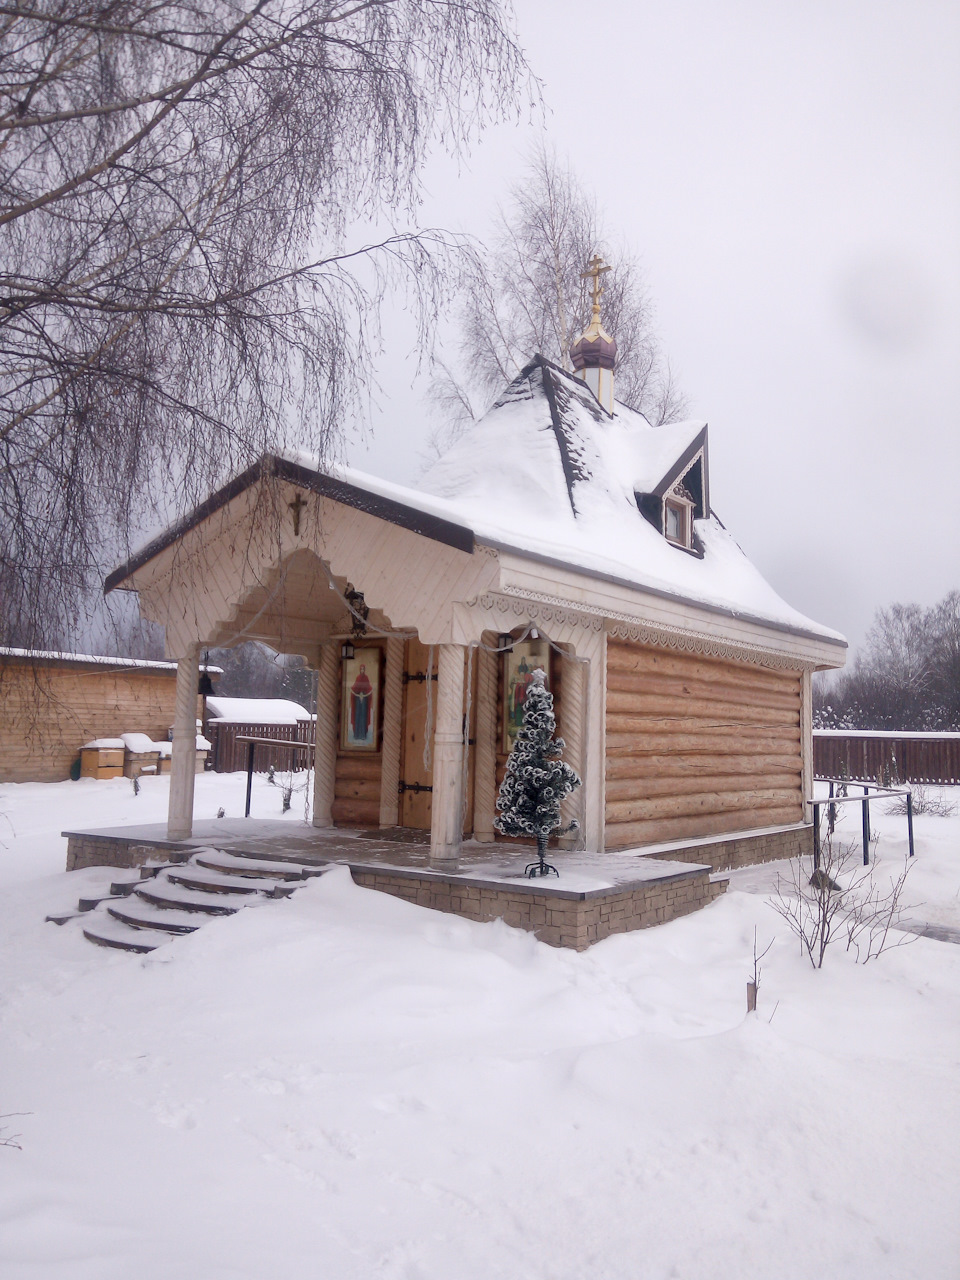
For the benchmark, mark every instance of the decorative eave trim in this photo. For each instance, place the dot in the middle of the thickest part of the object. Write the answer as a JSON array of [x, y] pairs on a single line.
[[275, 467], [621, 626], [675, 597]]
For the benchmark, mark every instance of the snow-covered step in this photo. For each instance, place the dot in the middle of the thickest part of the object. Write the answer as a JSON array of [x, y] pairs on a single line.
[[143, 915], [224, 883], [239, 865], [106, 932], [161, 893], [91, 904]]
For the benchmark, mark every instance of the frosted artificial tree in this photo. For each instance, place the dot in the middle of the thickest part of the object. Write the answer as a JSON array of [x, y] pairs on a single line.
[[537, 780]]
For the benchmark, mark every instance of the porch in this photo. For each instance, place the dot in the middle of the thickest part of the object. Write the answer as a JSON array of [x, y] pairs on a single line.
[[594, 896]]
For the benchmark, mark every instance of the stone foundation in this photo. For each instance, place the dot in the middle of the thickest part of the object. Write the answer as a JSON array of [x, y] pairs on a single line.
[[560, 917], [727, 853], [85, 850], [646, 893]]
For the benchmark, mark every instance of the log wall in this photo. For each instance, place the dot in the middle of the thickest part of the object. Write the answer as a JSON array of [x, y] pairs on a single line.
[[356, 801], [697, 746], [47, 713]]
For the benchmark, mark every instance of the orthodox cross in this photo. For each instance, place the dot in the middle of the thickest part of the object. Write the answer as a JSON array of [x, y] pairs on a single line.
[[296, 506], [593, 272]]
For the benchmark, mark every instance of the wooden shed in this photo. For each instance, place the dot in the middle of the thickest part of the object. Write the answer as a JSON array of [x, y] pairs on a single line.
[[562, 532], [51, 704]]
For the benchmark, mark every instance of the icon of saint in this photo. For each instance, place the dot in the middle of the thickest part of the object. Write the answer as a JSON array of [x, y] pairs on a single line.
[[361, 710]]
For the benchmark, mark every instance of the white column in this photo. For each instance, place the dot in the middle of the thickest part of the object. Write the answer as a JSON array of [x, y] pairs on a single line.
[[485, 757], [806, 741], [325, 751], [446, 812], [571, 729], [392, 734], [183, 763], [594, 750]]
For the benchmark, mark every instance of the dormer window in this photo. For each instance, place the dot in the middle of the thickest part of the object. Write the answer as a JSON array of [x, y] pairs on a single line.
[[678, 517]]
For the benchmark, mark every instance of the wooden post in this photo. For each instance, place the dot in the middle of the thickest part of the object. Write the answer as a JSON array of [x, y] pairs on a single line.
[[183, 763], [571, 730], [446, 819], [593, 761], [485, 760], [806, 742], [325, 750], [392, 734]]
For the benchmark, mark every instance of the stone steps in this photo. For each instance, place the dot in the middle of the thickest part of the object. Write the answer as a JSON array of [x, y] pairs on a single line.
[[167, 902]]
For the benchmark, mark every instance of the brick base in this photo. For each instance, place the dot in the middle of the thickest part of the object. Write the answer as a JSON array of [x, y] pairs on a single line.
[[727, 853], [94, 851], [562, 919]]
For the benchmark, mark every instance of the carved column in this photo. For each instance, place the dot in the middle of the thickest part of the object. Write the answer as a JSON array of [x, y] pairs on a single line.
[[446, 820], [392, 733], [183, 763], [325, 751], [485, 757], [593, 758], [571, 729]]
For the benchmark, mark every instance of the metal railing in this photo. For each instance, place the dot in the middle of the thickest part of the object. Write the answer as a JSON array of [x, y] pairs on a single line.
[[870, 792]]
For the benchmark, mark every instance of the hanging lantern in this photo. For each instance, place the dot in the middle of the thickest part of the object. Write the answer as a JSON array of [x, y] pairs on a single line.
[[347, 651], [505, 642], [205, 687]]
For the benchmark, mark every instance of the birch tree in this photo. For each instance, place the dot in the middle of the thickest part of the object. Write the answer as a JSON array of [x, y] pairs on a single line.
[[525, 295], [177, 287]]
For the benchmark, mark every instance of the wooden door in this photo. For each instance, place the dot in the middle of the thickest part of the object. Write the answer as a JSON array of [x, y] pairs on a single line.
[[417, 777]]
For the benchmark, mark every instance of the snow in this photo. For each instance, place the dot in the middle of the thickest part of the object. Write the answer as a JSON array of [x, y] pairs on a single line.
[[343, 1084], [255, 711], [111, 744], [138, 742], [51, 655], [503, 479]]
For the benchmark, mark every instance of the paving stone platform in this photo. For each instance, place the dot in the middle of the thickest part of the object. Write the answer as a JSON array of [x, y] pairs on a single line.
[[595, 895]]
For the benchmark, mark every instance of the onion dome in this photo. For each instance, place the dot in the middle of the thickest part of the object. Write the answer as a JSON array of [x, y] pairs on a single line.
[[594, 349]]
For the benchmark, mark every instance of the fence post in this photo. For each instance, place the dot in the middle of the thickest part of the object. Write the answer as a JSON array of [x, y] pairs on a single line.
[[910, 821], [250, 747], [865, 805], [831, 813], [816, 836]]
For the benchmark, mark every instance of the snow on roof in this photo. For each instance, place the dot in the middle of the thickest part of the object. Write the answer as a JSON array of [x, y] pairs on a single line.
[[49, 655], [548, 472], [255, 711]]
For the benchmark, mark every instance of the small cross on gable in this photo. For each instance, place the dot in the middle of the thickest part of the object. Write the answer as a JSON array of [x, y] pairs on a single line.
[[296, 506]]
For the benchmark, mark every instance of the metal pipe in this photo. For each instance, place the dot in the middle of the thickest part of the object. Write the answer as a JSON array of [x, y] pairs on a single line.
[[250, 749], [910, 820], [816, 835], [865, 803]]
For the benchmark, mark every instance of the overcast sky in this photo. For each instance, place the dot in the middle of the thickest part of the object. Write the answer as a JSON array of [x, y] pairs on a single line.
[[789, 176]]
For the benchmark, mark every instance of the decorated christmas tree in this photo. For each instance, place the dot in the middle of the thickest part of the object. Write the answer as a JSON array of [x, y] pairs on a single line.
[[537, 780]]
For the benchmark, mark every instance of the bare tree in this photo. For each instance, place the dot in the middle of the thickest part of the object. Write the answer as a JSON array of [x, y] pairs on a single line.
[[527, 295], [176, 290], [906, 678], [842, 899]]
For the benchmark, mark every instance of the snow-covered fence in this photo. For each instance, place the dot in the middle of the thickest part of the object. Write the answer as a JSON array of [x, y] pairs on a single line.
[[871, 754], [230, 756]]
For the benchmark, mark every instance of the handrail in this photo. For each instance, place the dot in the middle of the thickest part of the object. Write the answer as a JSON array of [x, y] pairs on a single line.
[[864, 801]]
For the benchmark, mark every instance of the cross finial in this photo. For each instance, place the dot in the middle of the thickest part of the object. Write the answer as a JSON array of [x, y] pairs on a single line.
[[593, 272], [296, 507]]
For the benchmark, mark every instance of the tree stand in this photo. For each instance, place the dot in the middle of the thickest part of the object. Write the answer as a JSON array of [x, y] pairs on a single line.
[[540, 868]]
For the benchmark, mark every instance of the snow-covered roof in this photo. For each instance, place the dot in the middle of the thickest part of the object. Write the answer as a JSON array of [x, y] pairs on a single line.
[[547, 472], [255, 711], [50, 655], [549, 475]]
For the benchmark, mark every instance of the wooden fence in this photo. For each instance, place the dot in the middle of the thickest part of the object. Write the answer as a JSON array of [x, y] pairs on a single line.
[[925, 757], [230, 756]]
